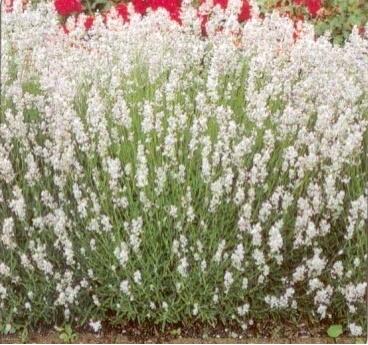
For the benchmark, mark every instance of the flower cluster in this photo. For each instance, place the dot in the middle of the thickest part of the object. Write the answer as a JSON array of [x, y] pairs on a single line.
[[66, 8], [150, 173], [313, 6]]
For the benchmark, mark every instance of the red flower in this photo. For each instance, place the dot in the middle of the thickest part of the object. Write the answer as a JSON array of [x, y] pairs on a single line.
[[222, 3], [204, 20], [8, 5], [140, 6], [313, 6], [244, 12], [89, 22], [171, 6], [122, 10], [175, 15], [67, 7]]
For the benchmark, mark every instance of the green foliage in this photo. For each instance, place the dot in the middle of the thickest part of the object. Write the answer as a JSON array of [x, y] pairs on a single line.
[[7, 329], [334, 331], [338, 17], [24, 335], [341, 16], [66, 334], [97, 5]]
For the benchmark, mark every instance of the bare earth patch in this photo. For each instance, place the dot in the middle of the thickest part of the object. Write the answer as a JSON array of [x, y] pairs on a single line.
[[266, 332], [129, 337], [88, 338]]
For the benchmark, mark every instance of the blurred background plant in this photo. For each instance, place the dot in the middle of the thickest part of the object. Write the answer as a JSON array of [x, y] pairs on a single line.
[[335, 16], [338, 17]]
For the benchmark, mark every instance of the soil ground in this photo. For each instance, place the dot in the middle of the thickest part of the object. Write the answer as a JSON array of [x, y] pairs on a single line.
[[270, 332], [89, 338]]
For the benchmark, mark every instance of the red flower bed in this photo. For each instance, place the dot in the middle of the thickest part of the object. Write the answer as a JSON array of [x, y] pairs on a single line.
[[325, 15], [65, 8], [68, 7], [313, 6]]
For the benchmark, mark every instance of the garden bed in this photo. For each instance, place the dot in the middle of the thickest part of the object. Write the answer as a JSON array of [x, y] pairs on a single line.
[[155, 174]]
